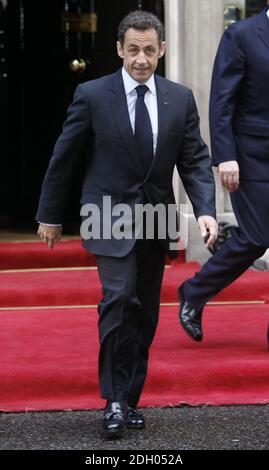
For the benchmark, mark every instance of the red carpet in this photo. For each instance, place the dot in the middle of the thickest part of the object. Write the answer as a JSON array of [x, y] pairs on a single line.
[[80, 287], [49, 354], [49, 360], [68, 253], [25, 255]]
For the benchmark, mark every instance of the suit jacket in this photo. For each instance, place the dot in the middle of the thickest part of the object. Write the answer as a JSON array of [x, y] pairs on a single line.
[[98, 118], [239, 100]]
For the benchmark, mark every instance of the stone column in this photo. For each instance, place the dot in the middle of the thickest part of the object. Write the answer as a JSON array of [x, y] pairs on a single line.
[[193, 31]]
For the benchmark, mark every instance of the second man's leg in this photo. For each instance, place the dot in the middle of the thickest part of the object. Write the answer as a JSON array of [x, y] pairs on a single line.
[[226, 265]]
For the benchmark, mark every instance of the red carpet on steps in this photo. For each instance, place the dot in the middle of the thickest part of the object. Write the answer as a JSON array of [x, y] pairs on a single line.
[[25, 255], [49, 355], [82, 287], [49, 360]]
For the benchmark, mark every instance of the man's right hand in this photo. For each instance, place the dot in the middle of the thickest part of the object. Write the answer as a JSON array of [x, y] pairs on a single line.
[[229, 175], [49, 235]]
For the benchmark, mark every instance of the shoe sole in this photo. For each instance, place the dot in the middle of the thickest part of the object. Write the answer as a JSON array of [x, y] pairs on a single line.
[[114, 434], [135, 426]]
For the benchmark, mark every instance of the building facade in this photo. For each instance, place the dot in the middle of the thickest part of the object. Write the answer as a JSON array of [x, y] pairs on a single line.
[[193, 32], [45, 52]]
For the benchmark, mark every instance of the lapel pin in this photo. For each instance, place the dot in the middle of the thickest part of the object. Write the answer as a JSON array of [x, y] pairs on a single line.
[[166, 103]]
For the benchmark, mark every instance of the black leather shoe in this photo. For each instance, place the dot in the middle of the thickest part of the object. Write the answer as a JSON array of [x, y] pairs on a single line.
[[114, 420], [135, 419], [190, 318]]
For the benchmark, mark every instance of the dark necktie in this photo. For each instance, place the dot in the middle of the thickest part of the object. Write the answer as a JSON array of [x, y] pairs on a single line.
[[143, 129]]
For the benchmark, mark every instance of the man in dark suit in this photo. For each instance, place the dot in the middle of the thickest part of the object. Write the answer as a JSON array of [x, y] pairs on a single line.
[[137, 126], [239, 124]]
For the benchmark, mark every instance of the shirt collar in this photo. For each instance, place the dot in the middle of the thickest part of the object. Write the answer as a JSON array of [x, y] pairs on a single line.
[[267, 13], [130, 84]]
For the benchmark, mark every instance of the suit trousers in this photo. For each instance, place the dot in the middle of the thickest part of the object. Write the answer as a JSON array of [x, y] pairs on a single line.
[[128, 317], [227, 264]]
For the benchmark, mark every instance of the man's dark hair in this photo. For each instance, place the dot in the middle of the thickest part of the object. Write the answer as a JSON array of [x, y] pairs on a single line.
[[140, 20]]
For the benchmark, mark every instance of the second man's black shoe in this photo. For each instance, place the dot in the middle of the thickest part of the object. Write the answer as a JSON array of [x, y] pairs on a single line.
[[135, 419], [114, 420], [190, 318]]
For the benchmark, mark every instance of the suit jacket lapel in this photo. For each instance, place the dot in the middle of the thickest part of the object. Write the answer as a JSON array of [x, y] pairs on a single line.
[[121, 115], [263, 27], [163, 119]]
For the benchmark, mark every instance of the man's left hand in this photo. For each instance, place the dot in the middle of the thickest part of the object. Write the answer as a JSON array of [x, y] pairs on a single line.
[[229, 175], [208, 226]]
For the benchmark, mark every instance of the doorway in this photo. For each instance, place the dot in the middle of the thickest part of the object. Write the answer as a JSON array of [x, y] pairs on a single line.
[[51, 47]]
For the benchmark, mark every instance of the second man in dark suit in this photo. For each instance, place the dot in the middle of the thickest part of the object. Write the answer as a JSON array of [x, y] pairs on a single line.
[[239, 124]]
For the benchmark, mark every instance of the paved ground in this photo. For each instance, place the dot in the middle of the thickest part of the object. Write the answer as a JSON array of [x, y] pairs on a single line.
[[184, 428]]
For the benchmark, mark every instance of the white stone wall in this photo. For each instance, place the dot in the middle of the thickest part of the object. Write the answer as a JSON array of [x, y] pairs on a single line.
[[193, 32]]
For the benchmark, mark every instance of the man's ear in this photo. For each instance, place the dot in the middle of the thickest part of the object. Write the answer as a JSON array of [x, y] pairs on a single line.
[[162, 49], [120, 50]]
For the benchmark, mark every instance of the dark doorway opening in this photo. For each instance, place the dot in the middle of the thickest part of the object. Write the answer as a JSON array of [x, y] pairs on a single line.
[[49, 47]]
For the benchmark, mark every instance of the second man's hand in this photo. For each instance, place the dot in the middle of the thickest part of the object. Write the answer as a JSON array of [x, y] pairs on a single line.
[[49, 235], [209, 229], [229, 175]]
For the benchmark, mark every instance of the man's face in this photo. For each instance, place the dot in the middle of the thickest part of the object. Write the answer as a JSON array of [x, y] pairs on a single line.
[[140, 53]]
